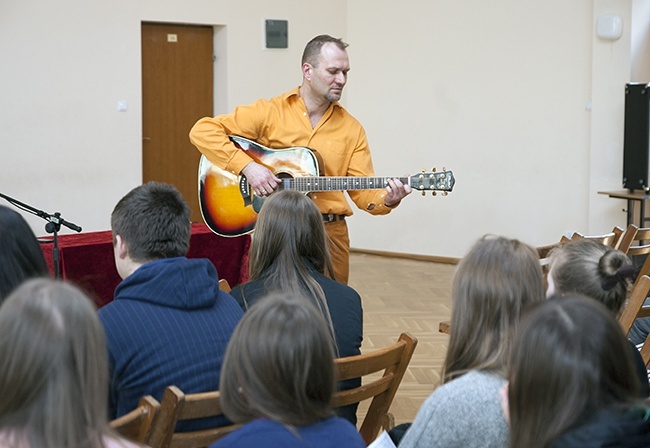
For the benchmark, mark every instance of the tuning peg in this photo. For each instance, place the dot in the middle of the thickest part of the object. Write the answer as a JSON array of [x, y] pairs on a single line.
[[444, 193], [434, 169], [423, 170], [424, 193], [444, 169], [434, 193]]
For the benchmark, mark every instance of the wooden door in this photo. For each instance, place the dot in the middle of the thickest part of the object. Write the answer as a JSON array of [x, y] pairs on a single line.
[[177, 90]]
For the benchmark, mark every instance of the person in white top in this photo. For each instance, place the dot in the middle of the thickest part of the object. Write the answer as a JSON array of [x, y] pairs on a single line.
[[54, 370]]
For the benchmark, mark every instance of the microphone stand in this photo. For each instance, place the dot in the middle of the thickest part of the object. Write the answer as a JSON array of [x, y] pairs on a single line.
[[54, 223]]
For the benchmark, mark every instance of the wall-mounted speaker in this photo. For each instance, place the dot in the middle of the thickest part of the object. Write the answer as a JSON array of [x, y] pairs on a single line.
[[637, 137]]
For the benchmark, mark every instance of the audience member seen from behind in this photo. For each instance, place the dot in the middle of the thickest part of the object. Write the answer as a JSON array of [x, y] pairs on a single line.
[[591, 269], [493, 284], [21, 257], [169, 323], [54, 373], [278, 379], [570, 380], [290, 255]]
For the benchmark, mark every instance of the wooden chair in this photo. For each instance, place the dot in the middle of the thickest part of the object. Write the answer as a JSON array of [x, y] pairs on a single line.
[[610, 239], [224, 285], [175, 406], [544, 251], [634, 304], [640, 236], [634, 234], [645, 270], [393, 361], [137, 424]]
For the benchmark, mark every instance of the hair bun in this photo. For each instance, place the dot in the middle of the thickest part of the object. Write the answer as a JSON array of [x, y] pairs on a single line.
[[625, 272]]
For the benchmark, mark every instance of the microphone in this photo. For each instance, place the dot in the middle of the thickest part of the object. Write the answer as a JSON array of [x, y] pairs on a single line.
[[57, 221]]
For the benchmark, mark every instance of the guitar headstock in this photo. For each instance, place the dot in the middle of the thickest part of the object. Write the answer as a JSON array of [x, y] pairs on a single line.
[[434, 181]]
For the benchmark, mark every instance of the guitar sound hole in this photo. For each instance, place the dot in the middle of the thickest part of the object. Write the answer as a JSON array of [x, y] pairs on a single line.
[[283, 176]]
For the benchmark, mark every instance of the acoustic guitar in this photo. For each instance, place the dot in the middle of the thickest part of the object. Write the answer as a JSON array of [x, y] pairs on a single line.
[[230, 207]]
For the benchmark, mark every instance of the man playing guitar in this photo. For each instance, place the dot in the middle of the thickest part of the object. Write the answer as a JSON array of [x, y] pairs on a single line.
[[310, 116]]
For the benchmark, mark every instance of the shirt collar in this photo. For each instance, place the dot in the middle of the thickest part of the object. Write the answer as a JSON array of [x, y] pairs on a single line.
[[296, 93]]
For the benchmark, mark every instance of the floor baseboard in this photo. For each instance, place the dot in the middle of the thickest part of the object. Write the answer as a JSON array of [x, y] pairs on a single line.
[[431, 258]]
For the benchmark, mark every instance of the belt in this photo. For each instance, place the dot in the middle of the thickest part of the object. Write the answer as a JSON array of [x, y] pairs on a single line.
[[329, 217]]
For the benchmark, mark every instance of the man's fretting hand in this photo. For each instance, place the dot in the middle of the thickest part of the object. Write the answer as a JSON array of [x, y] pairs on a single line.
[[395, 192]]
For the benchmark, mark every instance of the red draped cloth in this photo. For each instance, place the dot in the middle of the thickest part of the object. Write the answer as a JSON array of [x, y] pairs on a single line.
[[86, 259]]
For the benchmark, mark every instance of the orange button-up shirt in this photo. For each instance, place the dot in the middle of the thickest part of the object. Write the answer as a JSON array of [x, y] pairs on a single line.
[[283, 122]]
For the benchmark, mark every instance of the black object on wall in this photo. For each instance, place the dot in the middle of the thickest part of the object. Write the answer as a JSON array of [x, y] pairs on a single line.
[[277, 33], [636, 142]]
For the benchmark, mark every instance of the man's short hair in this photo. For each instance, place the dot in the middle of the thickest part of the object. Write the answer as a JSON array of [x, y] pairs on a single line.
[[154, 222], [313, 48]]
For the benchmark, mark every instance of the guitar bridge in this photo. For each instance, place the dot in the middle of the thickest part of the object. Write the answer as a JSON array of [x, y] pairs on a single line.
[[245, 191]]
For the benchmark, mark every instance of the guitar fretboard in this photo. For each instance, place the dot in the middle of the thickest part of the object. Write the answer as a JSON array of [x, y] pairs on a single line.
[[307, 184]]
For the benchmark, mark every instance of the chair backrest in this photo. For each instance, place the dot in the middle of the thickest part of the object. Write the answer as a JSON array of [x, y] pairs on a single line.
[[638, 235], [224, 285], [632, 308], [610, 239], [137, 424], [618, 232], [176, 406], [545, 251], [645, 269], [393, 361]]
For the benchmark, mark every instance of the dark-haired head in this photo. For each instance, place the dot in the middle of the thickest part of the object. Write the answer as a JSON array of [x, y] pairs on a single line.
[[21, 257], [311, 54], [279, 364], [592, 269], [289, 229], [569, 360], [154, 222]]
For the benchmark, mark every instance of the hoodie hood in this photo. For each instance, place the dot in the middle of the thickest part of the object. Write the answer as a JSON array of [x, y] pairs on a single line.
[[182, 283]]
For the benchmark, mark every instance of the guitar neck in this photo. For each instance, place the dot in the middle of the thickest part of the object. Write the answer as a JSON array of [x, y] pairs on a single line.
[[338, 183]]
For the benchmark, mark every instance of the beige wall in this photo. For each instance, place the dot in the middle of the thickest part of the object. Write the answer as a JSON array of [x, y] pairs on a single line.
[[65, 65], [498, 92], [519, 98]]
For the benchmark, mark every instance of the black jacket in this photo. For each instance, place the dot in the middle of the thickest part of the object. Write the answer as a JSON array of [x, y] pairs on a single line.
[[613, 427]]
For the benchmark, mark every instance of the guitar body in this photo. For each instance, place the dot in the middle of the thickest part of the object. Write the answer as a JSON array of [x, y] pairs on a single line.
[[228, 206]]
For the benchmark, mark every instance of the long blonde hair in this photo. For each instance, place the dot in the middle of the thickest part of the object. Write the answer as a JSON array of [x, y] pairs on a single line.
[[54, 369], [492, 285]]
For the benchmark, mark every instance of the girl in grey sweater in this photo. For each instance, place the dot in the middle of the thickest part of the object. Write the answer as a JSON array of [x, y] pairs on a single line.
[[492, 286]]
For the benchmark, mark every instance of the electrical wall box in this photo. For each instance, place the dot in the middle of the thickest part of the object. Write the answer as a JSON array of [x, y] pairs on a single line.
[[609, 27], [277, 33]]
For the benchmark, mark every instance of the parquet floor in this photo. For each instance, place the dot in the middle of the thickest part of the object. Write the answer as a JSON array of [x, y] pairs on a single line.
[[405, 295]]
